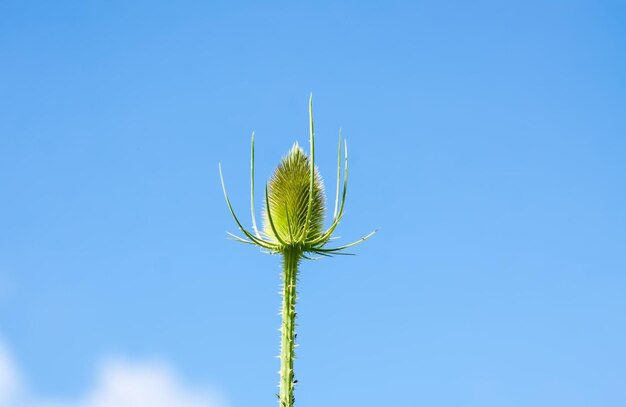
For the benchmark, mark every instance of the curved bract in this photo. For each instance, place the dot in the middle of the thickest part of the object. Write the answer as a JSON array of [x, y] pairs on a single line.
[[294, 210]]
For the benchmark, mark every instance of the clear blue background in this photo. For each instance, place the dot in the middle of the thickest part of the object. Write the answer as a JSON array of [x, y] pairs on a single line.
[[487, 140]]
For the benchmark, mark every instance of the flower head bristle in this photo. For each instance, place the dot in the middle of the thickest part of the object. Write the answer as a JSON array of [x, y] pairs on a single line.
[[288, 200]]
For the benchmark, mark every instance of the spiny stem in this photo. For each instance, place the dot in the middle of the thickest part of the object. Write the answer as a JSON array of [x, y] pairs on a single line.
[[291, 259]]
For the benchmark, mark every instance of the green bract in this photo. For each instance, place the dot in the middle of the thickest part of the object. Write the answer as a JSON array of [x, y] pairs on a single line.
[[293, 225]]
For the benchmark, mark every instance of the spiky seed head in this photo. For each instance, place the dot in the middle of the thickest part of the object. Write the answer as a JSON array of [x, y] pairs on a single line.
[[288, 199]]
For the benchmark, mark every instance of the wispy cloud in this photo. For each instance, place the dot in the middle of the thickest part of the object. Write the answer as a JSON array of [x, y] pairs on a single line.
[[9, 380], [119, 383]]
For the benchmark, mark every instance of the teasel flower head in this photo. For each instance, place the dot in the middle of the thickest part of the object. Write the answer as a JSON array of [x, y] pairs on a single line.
[[288, 200], [294, 212]]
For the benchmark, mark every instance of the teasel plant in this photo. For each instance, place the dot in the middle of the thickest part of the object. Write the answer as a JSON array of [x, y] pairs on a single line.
[[293, 226]]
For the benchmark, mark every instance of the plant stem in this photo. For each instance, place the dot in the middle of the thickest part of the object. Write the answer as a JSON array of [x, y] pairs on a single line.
[[291, 259]]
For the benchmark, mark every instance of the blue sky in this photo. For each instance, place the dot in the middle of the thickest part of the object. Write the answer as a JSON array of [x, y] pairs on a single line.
[[487, 141]]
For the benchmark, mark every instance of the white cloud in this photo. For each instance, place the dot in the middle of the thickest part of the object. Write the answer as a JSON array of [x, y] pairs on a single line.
[[119, 383], [9, 378]]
